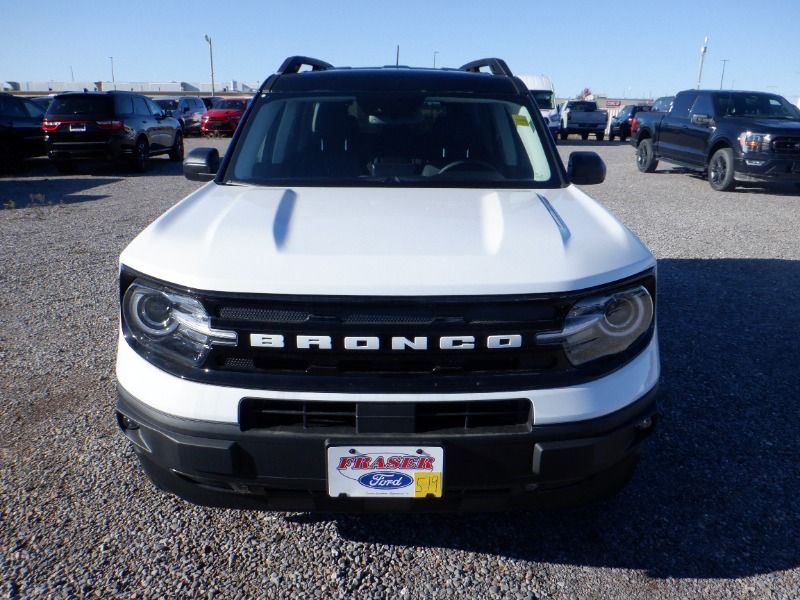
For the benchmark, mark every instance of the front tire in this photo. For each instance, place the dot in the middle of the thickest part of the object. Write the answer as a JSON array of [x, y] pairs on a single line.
[[564, 135], [584, 136], [721, 171], [141, 156], [610, 136], [176, 152], [600, 137], [646, 156]]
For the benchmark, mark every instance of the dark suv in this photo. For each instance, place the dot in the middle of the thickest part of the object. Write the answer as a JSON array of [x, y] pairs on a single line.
[[109, 126], [20, 131], [187, 109], [620, 125]]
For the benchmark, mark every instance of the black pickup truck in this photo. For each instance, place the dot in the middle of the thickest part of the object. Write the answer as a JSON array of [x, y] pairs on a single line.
[[731, 135]]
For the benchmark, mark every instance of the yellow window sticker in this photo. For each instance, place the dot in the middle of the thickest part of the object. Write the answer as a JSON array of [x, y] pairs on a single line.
[[428, 484], [521, 121]]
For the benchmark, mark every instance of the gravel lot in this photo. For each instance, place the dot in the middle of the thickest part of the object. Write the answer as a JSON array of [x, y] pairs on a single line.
[[713, 510]]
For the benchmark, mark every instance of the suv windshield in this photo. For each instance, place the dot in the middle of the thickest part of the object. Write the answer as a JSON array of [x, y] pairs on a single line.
[[82, 104], [231, 104], [167, 103], [372, 138], [740, 104]]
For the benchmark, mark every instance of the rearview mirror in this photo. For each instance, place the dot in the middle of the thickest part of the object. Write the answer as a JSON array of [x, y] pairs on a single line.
[[201, 164], [586, 168]]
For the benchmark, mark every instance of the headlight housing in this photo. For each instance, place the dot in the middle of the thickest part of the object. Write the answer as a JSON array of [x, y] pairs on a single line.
[[171, 325], [601, 326], [754, 142]]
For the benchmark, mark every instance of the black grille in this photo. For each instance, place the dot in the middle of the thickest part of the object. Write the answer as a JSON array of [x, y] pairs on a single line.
[[485, 416], [786, 145], [412, 369]]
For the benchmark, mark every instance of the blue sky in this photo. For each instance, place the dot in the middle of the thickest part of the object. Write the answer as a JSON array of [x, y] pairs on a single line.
[[619, 48]]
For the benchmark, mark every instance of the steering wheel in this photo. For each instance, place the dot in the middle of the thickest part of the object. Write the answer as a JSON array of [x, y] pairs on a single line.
[[458, 164]]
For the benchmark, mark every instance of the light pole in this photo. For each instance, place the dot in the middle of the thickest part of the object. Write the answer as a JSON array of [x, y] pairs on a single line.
[[435, 52], [211, 57], [721, 79], [113, 81], [703, 51]]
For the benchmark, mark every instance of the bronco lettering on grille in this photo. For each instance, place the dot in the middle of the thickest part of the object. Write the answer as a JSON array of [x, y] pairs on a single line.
[[356, 343]]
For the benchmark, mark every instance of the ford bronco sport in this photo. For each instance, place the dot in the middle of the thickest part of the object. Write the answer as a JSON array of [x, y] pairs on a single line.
[[390, 295]]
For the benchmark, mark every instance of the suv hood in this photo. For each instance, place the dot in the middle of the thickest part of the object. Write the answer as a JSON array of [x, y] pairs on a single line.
[[217, 113], [386, 241]]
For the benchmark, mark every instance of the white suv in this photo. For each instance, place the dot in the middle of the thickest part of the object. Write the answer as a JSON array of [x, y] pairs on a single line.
[[390, 295]]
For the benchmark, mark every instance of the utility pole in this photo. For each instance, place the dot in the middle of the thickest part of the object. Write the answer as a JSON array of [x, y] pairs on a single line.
[[113, 80], [397, 57], [72, 74], [721, 79], [435, 52], [703, 51], [211, 58]]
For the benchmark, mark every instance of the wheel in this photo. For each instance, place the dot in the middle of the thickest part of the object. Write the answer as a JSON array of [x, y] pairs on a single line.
[[646, 156], [610, 135], [176, 152], [564, 135], [622, 137], [600, 137], [720, 170], [141, 155], [584, 136]]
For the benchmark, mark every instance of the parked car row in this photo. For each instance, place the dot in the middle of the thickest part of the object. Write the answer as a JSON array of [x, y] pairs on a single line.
[[120, 126]]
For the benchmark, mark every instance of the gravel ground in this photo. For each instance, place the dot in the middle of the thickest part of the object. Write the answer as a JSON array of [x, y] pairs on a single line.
[[712, 511]]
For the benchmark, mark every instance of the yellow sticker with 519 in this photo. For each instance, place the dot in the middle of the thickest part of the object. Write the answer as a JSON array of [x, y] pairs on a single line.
[[428, 484], [521, 121]]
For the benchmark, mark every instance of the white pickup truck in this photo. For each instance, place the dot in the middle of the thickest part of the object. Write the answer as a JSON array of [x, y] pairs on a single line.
[[582, 117]]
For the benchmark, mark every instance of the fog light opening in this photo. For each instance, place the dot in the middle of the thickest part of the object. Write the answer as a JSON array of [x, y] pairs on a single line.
[[126, 423], [644, 424]]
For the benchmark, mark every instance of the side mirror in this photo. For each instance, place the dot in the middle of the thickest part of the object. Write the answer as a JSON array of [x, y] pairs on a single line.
[[701, 119], [586, 168], [201, 164]]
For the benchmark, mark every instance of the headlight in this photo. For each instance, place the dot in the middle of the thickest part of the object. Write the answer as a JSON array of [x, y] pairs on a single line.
[[755, 142], [603, 325], [171, 325]]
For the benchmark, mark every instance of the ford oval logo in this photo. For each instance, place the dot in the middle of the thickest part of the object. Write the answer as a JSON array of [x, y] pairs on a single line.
[[385, 480]]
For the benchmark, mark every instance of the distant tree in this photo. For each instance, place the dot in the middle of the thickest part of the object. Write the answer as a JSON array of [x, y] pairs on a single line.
[[586, 94]]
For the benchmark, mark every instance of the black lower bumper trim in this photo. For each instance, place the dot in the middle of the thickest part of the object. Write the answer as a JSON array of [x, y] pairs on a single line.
[[218, 464]]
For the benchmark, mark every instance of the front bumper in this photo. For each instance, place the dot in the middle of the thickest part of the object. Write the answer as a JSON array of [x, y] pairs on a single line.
[[218, 126], [218, 464], [761, 167]]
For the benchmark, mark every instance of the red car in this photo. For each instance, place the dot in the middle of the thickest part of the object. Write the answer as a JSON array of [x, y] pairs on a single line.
[[224, 117]]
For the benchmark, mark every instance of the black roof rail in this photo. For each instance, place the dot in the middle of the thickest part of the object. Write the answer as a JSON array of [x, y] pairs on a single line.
[[497, 66], [293, 64]]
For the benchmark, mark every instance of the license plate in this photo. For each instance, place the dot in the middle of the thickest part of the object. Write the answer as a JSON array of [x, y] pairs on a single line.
[[77, 127], [385, 471]]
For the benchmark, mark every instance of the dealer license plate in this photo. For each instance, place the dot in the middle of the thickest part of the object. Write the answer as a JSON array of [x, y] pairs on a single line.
[[385, 471]]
